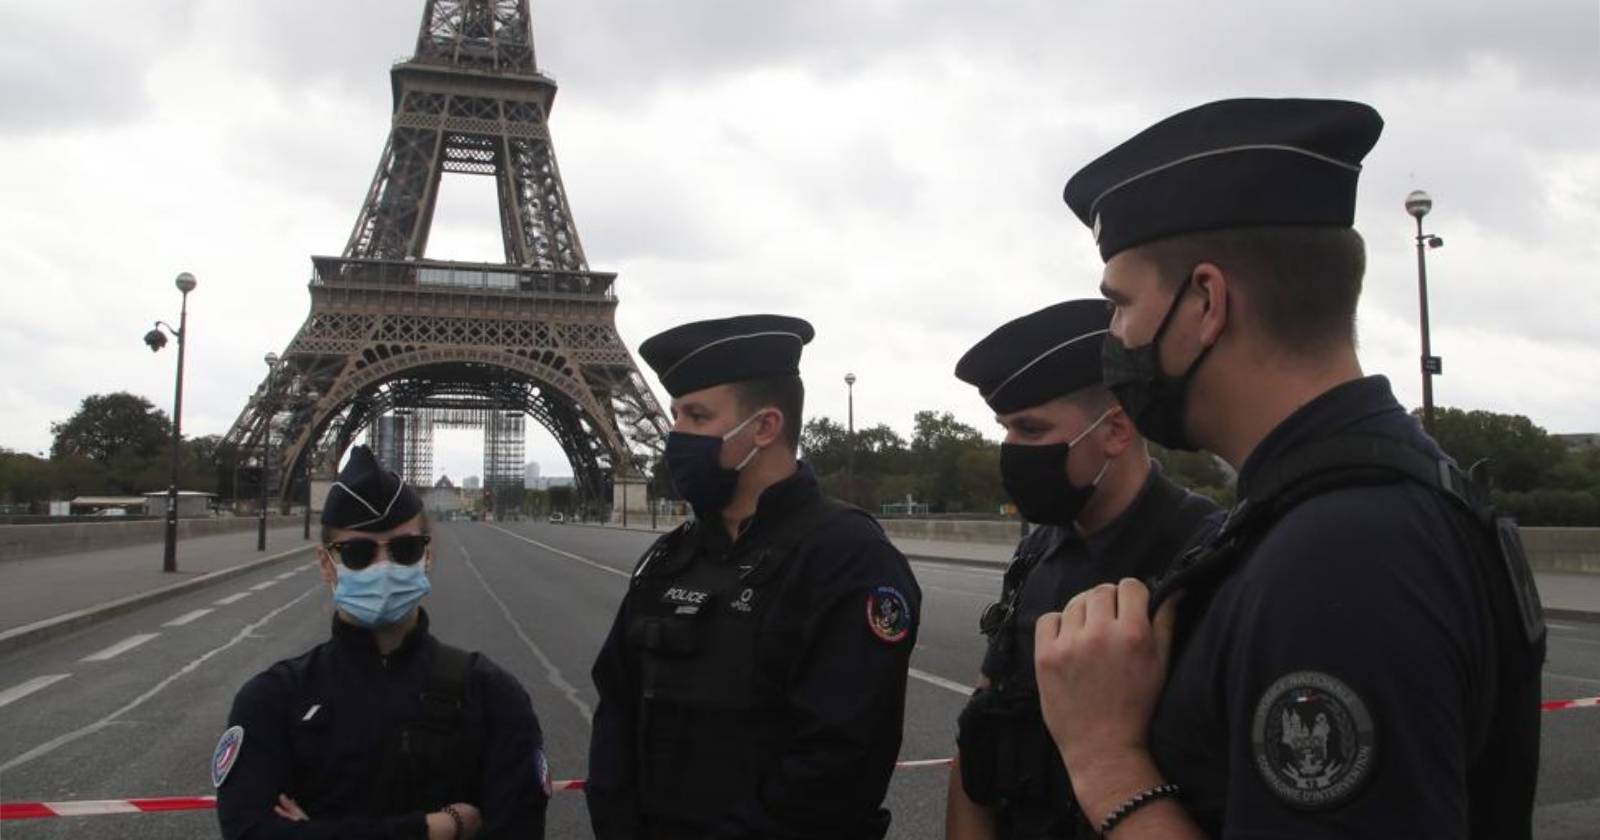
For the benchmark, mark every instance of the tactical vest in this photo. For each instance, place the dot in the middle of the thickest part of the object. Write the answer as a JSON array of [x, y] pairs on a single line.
[[1504, 726], [713, 668], [435, 759]]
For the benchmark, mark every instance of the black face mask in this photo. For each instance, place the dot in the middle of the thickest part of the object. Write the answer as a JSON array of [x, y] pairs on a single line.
[[1035, 477], [1154, 400], [695, 463]]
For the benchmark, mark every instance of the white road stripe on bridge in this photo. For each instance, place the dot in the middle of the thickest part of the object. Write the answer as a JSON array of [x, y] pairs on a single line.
[[188, 617], [553, 674], [266, 584], [17, 692], [231, 599], [120, 647], [567, 554], [941, 682], [289, 574]]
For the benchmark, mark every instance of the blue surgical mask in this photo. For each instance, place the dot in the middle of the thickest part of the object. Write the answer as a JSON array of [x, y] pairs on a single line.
[[381, 594], [695, 462]]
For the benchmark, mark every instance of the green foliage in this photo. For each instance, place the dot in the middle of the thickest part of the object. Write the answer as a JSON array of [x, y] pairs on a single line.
[[109, 426], [1522, 455], [1572, 508]]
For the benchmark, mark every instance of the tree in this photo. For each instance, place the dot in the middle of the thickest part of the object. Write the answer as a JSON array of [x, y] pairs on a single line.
[[825, 445], [1521, 454], [110, 425]]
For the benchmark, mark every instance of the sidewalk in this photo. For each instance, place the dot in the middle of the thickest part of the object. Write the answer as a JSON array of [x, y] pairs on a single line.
[[38, 589]]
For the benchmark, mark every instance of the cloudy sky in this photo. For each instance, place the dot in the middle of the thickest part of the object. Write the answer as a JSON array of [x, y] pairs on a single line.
[[889, 169]]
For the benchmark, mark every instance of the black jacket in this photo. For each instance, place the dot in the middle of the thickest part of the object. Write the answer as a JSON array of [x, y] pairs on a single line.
[[326, 727]]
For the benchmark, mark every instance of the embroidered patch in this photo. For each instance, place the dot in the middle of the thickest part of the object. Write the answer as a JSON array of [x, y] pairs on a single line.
[[544, 772], [226, 753], [1313, 739], [686, 601], [888, 614]]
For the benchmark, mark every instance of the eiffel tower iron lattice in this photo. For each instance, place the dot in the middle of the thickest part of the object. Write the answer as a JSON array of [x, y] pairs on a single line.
[[394, 335]]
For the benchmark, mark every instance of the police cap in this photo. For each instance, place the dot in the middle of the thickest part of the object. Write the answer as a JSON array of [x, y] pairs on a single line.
[[696, 356], [367, 497], [1230, 164], [1038, 357]]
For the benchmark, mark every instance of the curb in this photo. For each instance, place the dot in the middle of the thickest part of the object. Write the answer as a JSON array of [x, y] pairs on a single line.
[[49, 628]]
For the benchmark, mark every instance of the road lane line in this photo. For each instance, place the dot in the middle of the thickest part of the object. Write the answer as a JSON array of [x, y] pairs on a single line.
[[17, 692], [120, 647], [941, 682], [266, 584], [289, 574], [1556, 625], [1573, 677], [188, 617], [231, 599], [60, 741], [567, 554], [551, 672]]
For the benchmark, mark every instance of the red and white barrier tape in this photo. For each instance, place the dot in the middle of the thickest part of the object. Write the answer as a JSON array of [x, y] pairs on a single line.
[[92, 808]]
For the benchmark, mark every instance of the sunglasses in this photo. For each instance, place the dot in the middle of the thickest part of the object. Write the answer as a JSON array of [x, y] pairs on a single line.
[[356, 555]]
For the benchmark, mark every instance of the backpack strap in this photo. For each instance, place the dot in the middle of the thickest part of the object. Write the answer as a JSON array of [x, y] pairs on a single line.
[[444, 691], [1351, 461]]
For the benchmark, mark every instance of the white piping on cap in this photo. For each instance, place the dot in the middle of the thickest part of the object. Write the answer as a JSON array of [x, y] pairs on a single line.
[[687, 356], [1224, 151], [1039, 358], [357, 497]]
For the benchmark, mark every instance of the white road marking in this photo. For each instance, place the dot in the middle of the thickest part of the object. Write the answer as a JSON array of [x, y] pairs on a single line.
[[17, 692], [188, 617], [58, 742], [553, 674], [941, 682], [231, 599], [567, 554], [1573, 677], [289, 574], [120, 647], [266, 584]]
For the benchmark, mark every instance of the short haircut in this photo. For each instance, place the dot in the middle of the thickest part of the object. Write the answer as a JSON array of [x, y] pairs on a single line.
[[1093, 400], [1302, 283], [785, 393], [328, 530]]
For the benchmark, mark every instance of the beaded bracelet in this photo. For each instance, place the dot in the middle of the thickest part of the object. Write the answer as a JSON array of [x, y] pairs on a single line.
[[1134, 803], [455, 816]]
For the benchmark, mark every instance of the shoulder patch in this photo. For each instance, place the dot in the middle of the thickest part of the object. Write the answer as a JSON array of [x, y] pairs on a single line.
[[226, 753], [888, 614], [1313, 740]]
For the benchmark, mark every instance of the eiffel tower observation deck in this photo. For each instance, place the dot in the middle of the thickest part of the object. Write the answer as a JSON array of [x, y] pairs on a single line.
[[398, 338]]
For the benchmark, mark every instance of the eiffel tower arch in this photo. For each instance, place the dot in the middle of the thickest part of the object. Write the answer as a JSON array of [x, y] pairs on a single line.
[[394, 335]]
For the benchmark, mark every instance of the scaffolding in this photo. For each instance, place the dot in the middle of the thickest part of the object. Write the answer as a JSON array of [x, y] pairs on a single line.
[[405, 437]]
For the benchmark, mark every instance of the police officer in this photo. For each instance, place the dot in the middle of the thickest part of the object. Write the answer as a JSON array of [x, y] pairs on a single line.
[[1074, 465], [383, 731], [753, 684], [1357, 651]]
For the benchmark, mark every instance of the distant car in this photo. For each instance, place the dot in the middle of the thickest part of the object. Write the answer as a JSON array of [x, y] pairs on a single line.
[[557, 519]]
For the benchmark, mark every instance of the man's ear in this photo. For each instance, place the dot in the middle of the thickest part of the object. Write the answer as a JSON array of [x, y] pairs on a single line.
[[769, 427], [1213, 285], [1120, 432]]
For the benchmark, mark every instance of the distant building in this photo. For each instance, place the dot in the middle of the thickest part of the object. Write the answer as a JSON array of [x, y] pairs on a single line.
[[472, 482], [530, 476], [1580, 441], [444, 483], [554, 481]]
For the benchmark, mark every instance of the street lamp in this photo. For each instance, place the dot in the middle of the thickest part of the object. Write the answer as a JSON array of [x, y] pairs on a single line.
[[266, 449], [157, 340], [1418, 203], [310, 457], [850, 435]]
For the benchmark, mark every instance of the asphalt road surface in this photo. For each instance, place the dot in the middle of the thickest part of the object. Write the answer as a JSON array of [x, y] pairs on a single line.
[[132, 707]]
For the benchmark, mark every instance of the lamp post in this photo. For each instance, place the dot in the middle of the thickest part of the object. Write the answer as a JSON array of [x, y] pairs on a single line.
[[154, 338], [310, 458], [266, 449], [850, 434], [1418, 203]]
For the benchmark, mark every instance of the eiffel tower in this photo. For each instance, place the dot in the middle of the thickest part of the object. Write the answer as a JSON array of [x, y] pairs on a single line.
[[395, 342]]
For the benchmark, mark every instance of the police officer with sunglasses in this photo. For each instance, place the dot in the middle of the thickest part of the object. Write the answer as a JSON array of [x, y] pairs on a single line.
[[383, 730]]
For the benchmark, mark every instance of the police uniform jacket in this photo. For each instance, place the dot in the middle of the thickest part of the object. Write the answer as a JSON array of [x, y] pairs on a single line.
[[756, 687], [1354, 675], [334, 729], [1053, 564]]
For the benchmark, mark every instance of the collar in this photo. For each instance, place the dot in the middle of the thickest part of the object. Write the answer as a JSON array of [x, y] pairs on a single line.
[[796, 491], [1335, 410], [1111, 540], [360, 641]]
